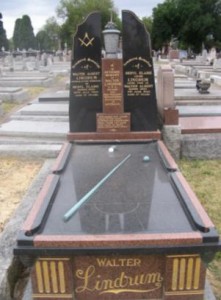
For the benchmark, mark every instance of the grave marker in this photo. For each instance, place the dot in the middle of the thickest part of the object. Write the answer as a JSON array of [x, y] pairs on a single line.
[[139, 85], [113, 97], [116, 221], [85, 87]]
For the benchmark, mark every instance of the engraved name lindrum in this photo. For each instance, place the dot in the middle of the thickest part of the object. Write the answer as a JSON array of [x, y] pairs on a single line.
[[119, 278]]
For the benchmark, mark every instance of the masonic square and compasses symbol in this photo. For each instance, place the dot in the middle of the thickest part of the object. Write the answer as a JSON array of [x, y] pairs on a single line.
[[86, 41]]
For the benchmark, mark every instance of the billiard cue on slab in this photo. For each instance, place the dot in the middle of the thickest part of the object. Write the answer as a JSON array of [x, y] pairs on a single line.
[[87, 196]]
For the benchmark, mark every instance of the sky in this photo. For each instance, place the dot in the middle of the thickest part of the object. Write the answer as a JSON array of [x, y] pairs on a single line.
[[39, 11]]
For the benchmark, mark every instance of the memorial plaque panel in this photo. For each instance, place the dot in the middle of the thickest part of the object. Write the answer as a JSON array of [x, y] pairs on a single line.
[[85, 87], [113, 118], [113, 122], [118, 277], [139, 85], [112, 78]]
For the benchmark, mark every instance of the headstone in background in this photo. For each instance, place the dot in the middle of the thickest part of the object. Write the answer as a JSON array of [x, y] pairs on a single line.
[[174, 54], [204, 55], [165, 89], [217, 64], [139, 85], [183, 54], [85, 85], [212, 55]]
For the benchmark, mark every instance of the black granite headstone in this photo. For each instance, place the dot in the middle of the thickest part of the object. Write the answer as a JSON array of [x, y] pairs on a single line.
[[85, 86], [139, 85]]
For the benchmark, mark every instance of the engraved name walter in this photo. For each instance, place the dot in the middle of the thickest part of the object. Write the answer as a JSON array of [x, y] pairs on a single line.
[[115, 276]]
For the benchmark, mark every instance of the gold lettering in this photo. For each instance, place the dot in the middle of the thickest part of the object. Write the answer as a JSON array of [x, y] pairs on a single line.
[[138, 85], [137, 80], [153, 277], [134, 280], [107, 284], [113, 122], [86, 84], [118, 262], [85, 276], [138, 59], [86, 81], [122, 283], [134, 262], [101, 262], [98, 284]]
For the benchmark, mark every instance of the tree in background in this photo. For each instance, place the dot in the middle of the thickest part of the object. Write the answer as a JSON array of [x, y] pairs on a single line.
[[16, 35], [192, 22], [148, 22], [166, 23], [199, 20], [23, 36], [74, 12], [48, 38], [43, 40], [3, 37]]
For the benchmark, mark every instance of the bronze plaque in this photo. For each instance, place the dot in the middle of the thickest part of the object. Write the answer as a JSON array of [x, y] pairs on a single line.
[[113, 122], [118, 277]]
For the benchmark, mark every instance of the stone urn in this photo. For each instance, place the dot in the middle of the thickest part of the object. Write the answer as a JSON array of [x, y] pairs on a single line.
[[203, 85]]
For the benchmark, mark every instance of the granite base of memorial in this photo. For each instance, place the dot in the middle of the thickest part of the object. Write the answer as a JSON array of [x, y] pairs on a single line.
[[141, 233]]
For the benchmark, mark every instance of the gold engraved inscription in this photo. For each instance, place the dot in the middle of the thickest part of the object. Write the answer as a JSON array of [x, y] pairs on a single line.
[[114, 276], [139, 283], [86, 80], [113, 122], [118, 262], [112, 93], [138, 77], [139, 59]]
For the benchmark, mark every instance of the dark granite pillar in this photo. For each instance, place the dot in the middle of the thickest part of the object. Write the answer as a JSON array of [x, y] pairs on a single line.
[[85, 85], [139, 85]]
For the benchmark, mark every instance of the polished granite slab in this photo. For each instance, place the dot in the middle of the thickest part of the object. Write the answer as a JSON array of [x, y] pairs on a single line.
[[130, 191], [200, 124], [133, 200]]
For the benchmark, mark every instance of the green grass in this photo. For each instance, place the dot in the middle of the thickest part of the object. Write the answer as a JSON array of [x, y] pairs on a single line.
[[204, 176], [8, 106], [35, 91]]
